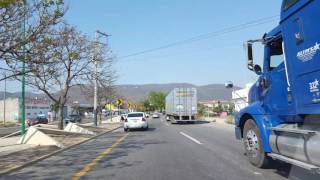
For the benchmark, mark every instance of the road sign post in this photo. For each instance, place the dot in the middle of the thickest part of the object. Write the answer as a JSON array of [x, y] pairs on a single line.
[[119, 103]]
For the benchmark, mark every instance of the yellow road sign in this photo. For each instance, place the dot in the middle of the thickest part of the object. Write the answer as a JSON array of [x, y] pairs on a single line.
[[119, 102]]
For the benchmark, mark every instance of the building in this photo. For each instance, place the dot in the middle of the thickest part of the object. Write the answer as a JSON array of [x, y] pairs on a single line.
[[33, 108], [210, 105], [240, 97], [214, 103]]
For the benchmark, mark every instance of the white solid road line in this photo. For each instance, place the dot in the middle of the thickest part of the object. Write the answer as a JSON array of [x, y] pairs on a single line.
[[191, 138]]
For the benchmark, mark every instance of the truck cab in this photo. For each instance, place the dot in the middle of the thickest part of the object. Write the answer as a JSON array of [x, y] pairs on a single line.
[[283, 118]]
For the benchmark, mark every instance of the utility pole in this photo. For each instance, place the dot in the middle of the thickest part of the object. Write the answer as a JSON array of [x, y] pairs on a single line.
[[95, 80], [4, 99], [95, 101]]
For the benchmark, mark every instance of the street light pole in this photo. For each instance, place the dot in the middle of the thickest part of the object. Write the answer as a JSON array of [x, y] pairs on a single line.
[[23, 69]]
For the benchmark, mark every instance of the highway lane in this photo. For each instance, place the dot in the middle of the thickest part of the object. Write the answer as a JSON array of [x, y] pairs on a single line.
[[188, 152], [219, 140]]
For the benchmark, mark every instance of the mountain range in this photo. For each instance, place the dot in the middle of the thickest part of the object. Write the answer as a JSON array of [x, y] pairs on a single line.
[[206, 92], [140, 92]]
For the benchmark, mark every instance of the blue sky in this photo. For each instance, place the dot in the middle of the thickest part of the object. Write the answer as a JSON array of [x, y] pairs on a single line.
[[137, 25]]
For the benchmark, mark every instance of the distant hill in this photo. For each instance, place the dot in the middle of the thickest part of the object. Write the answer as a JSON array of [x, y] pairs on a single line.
[[140, 92], [18, 94], [207, 92]]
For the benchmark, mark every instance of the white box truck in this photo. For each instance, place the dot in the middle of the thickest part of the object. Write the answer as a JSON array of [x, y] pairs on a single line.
[[181, 105]]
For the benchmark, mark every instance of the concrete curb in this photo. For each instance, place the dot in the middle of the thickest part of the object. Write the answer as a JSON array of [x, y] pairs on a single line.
[[8, 171]]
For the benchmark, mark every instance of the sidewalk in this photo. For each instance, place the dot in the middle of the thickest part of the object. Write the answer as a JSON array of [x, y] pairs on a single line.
[[9, 145]]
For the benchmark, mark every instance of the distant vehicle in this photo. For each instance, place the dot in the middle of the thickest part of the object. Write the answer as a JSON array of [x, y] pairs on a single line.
[[74, 118], [147, 115], [37, 120], [181, 105], [136, 120], [107, 113], [155, 115]]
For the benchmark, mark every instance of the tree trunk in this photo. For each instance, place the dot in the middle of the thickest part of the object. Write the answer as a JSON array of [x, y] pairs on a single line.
[[61, 116]]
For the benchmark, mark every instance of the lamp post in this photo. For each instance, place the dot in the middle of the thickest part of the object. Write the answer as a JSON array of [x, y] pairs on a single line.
[[23, 69]]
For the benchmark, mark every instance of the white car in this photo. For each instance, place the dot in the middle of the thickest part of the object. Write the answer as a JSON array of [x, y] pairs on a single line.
[[155, 115], [135, 120]]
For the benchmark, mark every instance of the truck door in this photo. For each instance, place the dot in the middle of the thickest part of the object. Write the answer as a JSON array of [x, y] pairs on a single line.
[[301, 33], [277, 96]]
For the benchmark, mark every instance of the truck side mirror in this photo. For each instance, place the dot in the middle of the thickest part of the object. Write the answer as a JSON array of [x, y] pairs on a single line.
[[251, 66], [228, 84], [249, 54], [257, 69]]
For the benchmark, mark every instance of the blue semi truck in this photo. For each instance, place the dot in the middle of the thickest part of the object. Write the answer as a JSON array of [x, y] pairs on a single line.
[[282, 120]]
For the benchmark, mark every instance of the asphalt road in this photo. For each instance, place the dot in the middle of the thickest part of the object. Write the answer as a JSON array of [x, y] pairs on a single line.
[[165, 152]]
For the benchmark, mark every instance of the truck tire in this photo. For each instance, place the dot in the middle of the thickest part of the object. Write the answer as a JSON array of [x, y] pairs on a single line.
[[253, 145]]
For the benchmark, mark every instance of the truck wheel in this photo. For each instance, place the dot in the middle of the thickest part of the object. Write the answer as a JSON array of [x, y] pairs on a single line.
[[253, 144]]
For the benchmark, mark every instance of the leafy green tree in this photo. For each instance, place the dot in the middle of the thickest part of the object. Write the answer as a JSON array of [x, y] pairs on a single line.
[[201, 110], [218, 109], [146, 105], [157, 100], [231, 108]]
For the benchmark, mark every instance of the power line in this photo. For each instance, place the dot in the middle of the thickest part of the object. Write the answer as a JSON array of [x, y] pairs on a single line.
[[207, 35]]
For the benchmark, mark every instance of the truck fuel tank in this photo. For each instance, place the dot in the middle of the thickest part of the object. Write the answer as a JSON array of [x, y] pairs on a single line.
[[297, 142]]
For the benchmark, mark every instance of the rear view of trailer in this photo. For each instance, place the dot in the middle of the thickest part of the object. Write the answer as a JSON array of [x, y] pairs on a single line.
[[181, 104]]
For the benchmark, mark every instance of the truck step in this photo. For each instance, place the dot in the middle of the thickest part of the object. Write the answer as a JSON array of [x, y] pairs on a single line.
[[296, 131], [310, 167]]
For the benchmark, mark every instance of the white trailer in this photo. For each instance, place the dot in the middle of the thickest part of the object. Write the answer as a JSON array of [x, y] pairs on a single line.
[[181, 105]]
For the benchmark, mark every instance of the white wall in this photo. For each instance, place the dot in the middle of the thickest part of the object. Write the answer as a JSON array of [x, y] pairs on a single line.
[[12, 109], [34, 107]]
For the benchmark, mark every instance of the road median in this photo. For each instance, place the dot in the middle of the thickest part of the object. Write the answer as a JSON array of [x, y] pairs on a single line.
[[17, 160]]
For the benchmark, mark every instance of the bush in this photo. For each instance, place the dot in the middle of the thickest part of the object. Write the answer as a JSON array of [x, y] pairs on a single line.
[[230, 120]]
